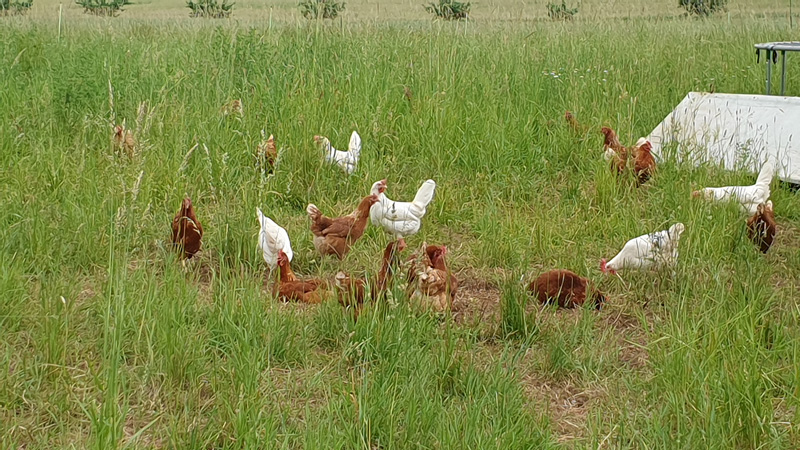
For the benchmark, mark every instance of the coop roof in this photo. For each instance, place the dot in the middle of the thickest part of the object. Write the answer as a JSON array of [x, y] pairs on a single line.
[[733, 130]]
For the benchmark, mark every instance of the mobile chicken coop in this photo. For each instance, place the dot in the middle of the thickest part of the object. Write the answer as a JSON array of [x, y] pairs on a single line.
[[737, 131]]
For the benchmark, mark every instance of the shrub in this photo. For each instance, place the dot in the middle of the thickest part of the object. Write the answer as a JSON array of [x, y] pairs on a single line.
[[702, 7], [14, 7], [325, 9], [210, 8], [561, 11], [449, 9], [103, 7]]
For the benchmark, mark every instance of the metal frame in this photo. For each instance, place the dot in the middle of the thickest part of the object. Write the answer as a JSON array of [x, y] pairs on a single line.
[[771, 49]]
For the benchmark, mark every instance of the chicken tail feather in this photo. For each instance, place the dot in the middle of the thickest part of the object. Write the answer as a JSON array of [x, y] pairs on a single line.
[[425, 194]]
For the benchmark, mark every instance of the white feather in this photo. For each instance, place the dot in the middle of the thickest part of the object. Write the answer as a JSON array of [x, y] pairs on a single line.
[[272, 239], [401, 219], [649, 251], [748, 197], [348, 160]]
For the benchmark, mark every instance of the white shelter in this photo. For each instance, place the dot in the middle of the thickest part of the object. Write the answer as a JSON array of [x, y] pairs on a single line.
[[734, 130]]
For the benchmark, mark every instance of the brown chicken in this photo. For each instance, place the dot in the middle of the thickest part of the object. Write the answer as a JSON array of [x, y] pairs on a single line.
[[611, 140], [335, 236], [289, 287], [352, 290], [644, 165], [431, 280], [567, 288], [233, 107], [266, 154], [123, 140], [614, 151], [574, 124], [186, 230], [761, 227]]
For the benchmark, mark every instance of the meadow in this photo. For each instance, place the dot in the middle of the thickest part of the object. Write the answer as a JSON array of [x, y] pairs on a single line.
[[107, 341]]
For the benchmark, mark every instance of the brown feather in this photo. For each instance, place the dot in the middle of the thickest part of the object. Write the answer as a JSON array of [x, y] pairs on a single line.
[[187, 232], [336, 236], [566, 287], [761, 228]]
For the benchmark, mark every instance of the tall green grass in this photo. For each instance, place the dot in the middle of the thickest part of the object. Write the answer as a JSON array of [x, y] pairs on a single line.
[[142, 353]]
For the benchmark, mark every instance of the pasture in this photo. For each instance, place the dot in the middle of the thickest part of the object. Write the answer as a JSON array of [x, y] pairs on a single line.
[[107, 341]]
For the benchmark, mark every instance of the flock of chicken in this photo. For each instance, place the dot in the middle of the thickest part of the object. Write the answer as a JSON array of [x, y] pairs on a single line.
[[429, 280]]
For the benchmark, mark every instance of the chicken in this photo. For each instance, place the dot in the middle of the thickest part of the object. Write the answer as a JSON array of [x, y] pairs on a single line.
[[348, 160], [272, 239], [400, 219], [431, 280], [233, 107], [614, 152], [611, 141], [123, 140], [186, 230], [266, 153], [644, 165], [748, 197], [352, 290], [335, 236], [761, 226], [574, 124], [289, 287], [567, 288], [649, 251]]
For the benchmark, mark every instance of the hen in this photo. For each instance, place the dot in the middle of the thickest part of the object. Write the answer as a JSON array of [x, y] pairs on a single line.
[[272, 239], [186, 230], [400, 219], [761, 227], [234, 107], [334, 236], [348, 160], [266, 153], [614, 152], [289, 287], [644, 165], [431, 280], [567, 288], [748, 197], [574, 124], [123, 139], [654, 250], [352, 290]]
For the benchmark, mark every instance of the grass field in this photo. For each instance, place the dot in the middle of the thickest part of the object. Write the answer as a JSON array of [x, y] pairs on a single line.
[[106, 341]]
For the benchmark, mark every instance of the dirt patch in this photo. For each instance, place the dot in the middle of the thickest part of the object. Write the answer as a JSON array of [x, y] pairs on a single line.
[[478, 300], [568, 404]]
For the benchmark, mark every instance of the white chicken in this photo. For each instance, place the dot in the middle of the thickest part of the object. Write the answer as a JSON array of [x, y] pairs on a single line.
[[748, 197], [649, 251], [272, 239], [400, 219], [348, 160]]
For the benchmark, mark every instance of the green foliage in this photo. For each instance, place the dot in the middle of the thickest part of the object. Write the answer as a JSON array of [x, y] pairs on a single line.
[[15, 7], [515, 321], [321, 9], [108, 8], [210, 8], [702, 7], [561, 11], [449, 9]]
